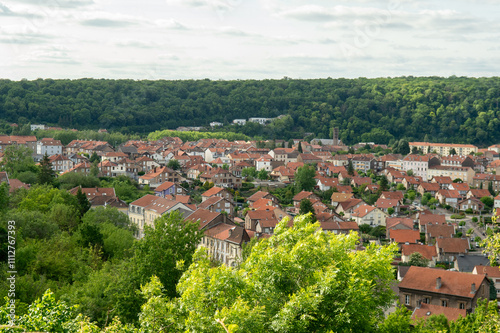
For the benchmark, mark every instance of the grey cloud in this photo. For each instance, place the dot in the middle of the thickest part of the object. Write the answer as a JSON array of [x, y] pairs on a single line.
[[7, 12], [58, 3], [107, 23]]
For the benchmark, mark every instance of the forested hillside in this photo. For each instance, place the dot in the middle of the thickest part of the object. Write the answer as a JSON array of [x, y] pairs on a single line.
[[454, 109]]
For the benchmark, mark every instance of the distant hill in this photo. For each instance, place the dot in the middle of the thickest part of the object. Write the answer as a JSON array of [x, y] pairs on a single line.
[[455, 109]]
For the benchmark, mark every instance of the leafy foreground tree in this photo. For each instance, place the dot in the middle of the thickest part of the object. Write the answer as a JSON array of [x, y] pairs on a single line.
[[304, 178], [299, 280]]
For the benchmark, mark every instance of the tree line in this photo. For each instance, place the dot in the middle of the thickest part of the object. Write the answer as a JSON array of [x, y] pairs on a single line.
[[381, 110]]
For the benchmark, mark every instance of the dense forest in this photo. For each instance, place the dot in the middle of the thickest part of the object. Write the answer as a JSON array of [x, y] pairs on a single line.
[[455, 109]]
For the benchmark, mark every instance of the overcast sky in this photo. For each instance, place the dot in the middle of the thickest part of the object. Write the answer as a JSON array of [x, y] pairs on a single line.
[[247, 39]]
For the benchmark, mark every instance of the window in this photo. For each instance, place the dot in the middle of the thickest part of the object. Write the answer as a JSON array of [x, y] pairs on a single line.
[[444, 303], [461, 306], [407, 299], [426, 300]]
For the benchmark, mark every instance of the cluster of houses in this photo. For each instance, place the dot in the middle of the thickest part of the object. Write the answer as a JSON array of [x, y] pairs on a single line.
[[458, 181]]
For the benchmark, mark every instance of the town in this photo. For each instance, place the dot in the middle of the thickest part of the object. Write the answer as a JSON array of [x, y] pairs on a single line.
[[438, 202]]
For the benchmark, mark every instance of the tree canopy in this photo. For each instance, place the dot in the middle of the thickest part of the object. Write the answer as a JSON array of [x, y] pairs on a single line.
[[299, 280], [380, 110]]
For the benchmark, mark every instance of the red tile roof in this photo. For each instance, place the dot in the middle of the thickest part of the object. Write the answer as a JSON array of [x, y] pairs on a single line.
[[440, 230], [426, 310], [432, 218], [404, 236], [213, 191], [490, 271], [392, 222], [452, 283], [164, 186], [453, 245], [427, 251], [302, 195], [204, 217], [362, 211]]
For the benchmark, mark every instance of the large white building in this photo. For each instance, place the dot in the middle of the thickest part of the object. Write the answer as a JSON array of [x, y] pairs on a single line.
[[49, 146], [443, 148]]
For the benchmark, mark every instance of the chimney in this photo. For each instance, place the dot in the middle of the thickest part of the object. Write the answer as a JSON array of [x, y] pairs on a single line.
[[473, 288], [230, 232], [438, 283]]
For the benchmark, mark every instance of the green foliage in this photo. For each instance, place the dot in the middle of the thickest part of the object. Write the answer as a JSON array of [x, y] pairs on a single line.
[[249, 173], [170, 241], [101, 215], [484, 319], [401, 147], [94, 158], [417, 259], [174, 164], [17, 161], [285, 194], [4, 197], [350, 169], [46, 175], [44, 315], [307, 207], [73, 179], [195, 136], [397, 321], [83, 203], [263, 174], [488, 202], [455, 109], [435, 323], [126, 188], [304, 178], [299, 280]]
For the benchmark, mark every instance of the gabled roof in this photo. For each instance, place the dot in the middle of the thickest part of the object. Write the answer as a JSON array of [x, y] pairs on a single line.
[[350, 203], [302, 195], [257, 195], [461, 186], [452, 283], [426, 310], [386, 203], [491, 271], [427, 251], [155, 172], [393, 195], [341, 197], [363, 210], [209, 202], [213, 191], [229, 233], [404, 236], [392, 222], [478, 193], [344, 188], [440, 230], [164, 186], [157, 204], [441, 180], [453, 194], [185, 199], [453, 245], [262, 204], [14, 184], [432, 218], [430, 187], [204, 217]]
